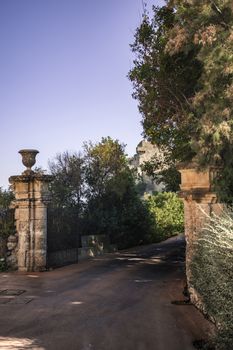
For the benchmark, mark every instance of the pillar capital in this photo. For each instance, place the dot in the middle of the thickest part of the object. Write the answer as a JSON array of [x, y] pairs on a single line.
[[195, 179], [32, 187]]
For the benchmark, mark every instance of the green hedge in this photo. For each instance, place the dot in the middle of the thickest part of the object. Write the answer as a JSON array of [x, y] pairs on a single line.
[[168, 212]]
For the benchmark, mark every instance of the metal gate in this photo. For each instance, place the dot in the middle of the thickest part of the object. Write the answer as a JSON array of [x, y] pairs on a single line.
[[62, 236]]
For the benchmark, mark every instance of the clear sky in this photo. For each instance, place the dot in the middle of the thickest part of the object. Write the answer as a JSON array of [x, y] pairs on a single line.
[[63, 68]]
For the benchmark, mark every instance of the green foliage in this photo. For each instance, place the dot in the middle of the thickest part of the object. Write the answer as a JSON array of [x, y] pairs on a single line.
[[103, 162], [183, 81], [208, 26], [168, 212], [163, 83], [6, 196], [171, 178], [67, 187], [100, 190], [113, 205], [6, 214], [212, 274], [68, 197], [161, 172], [6, 223], [109, 199]]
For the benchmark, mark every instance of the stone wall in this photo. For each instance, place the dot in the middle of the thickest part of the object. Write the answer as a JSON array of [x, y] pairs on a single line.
[[12, 251], [62, 257], [145, 151], [92, 246]]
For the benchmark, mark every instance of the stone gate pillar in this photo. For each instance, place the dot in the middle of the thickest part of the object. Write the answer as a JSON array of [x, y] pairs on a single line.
[[199, 202], [31, 199]]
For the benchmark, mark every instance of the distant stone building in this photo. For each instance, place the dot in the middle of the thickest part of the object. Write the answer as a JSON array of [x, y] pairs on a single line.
[[145, 151]]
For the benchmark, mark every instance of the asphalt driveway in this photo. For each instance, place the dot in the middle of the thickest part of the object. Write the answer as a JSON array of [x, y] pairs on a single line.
[[120, 301]]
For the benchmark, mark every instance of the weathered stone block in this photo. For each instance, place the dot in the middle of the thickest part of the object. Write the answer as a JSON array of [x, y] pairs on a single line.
[[11, 245], [12, 261], [12, 238], [23, 214]]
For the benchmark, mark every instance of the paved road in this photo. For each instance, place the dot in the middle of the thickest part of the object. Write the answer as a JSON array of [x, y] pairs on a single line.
[[120, 301]]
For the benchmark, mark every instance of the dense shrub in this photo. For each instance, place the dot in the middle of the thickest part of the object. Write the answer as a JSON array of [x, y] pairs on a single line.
[[120, 213], [168, 211], [98, 186], [6, 224], [6, 214], [212, 274]]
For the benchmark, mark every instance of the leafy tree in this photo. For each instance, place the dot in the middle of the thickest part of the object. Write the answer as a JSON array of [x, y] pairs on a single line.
[[163, 170], [6, 196], [103, 161], [168, 213], [6, 214], [208, 26], [113, 205], [68, 186], [95, 193], [163, 83], [68, 196], [183, 80]]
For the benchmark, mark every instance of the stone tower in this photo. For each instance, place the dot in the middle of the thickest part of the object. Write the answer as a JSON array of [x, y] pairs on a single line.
[[145, 151]]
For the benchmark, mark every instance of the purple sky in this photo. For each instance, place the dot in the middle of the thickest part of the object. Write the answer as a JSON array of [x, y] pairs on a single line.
[[63, 68]]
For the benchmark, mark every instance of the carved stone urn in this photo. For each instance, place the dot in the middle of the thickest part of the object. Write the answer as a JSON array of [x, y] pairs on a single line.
[[28, 159]]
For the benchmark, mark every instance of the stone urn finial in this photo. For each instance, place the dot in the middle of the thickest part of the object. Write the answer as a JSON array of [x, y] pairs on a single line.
[[28, 159]]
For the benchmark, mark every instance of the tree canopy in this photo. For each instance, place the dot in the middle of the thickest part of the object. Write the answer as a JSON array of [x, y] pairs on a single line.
[[113, 204], [104, 161], [183, 81], [99, 187], [6, 196], [67, 188]]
